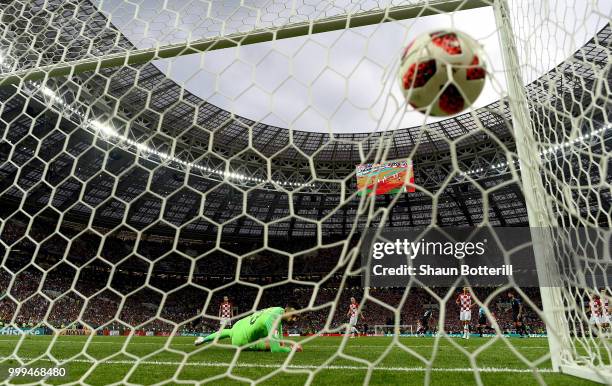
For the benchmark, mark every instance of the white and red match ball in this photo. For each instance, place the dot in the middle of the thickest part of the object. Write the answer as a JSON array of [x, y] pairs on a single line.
[[442, 73]]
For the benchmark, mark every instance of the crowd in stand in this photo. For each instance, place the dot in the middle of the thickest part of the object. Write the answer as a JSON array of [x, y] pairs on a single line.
[[55, 304], [80, 287]]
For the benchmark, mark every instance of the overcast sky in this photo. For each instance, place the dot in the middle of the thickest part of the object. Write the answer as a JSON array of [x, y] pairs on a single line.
[[343, 81]]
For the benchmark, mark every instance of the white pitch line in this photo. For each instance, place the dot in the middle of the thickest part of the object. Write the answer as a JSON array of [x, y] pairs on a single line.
[[299, 367], [348, 345]]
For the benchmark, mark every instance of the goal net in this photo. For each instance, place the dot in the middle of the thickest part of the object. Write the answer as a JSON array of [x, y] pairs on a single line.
[[159, 156]]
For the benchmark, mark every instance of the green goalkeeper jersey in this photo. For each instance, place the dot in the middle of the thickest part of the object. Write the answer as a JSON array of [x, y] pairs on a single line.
[[255, 330]]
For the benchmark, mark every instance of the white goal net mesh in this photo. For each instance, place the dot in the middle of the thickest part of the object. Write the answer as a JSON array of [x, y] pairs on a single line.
[[158, 156], [390, 329]]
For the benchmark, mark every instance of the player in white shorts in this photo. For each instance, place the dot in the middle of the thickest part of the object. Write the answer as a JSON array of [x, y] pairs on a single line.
[[226, 313], [464, 301], [353, 314]]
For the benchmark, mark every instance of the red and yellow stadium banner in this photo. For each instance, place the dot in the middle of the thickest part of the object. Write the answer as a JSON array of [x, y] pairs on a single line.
[[388, 177]]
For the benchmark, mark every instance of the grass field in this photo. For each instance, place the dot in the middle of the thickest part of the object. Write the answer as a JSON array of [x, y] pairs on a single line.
[[161, 358]]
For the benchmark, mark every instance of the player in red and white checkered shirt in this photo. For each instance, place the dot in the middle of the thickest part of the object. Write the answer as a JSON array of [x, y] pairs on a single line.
[[226, 312], [353, 314], [595, 308], [464, 301]]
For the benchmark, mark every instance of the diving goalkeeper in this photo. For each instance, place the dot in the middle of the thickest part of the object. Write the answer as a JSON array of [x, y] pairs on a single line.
[[261, 331]]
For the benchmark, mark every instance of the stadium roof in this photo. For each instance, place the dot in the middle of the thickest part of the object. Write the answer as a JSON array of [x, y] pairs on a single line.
[[39, 153]]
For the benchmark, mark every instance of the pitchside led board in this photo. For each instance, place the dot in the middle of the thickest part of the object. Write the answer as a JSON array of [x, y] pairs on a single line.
[[386, 178]]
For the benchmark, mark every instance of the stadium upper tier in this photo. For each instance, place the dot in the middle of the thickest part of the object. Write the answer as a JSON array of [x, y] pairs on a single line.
[[49, 137]]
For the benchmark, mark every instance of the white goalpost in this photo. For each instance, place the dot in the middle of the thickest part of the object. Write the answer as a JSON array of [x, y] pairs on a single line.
[[538, 209], [155, 158], [542, 218]]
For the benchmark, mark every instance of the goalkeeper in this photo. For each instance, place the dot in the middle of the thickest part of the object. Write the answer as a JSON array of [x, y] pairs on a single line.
[[261, 331]]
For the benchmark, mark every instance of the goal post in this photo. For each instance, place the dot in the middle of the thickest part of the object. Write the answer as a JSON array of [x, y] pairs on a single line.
[[540, 213], [536, 198], [257, 35]]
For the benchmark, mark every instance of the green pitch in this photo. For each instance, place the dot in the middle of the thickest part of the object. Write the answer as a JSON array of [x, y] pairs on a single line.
[[452, 361]]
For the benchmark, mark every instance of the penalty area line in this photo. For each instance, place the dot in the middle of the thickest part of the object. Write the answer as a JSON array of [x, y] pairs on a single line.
[[296, 367]]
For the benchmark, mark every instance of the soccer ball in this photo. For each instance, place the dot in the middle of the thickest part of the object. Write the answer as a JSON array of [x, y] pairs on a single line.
[[442, 73]]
